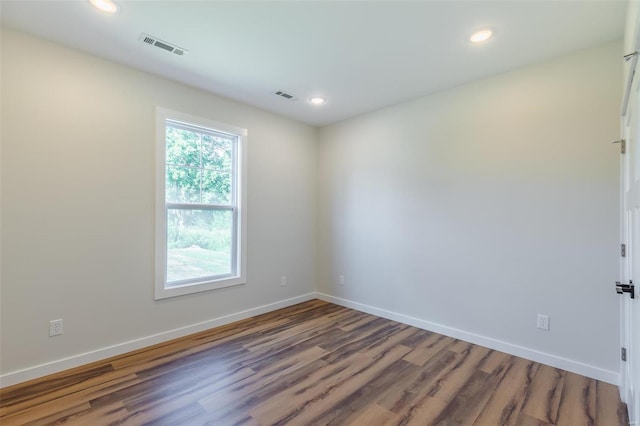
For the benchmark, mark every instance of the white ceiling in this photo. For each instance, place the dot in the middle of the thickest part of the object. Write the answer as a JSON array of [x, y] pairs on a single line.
[[360, 55]]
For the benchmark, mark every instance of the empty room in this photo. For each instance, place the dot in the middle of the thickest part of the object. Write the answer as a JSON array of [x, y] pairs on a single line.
[[319, 212]]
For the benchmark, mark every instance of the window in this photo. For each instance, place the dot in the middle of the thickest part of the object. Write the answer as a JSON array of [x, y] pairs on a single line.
[[200, 205]]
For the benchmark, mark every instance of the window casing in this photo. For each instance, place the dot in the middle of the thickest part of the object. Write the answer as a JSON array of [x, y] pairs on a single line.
[[200, 204]]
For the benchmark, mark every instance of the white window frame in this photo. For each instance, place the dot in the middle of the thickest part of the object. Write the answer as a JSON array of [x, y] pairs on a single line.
[[239, 208]]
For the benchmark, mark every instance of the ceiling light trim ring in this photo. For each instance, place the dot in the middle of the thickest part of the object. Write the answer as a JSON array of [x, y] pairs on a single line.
[[481, 35], [106, 6], [317, 100]]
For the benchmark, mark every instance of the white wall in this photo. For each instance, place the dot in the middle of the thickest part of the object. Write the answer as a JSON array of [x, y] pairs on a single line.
[[472, 209], [78, 204], [476, 208]]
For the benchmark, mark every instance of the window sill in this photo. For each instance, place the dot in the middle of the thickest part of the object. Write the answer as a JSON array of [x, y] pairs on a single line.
[[163, 292]]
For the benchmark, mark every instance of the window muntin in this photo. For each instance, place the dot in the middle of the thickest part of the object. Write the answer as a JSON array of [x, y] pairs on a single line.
[[201, 222]]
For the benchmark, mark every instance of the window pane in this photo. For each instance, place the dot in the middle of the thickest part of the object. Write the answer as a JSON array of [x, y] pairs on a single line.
[[216, 153], [198, 244], [183, 147], [216, 187], [183, 184]]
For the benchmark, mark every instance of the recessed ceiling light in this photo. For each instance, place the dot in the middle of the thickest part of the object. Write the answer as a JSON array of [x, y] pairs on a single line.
[[481, 35], [317, 100], [107, 6]]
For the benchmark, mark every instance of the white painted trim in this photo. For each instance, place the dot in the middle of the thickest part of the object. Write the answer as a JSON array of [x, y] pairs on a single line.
[[521, 351], [42, 370], [239, 275]]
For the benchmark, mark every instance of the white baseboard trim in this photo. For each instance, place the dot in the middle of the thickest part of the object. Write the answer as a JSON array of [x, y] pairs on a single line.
[[521, 351], [42, 370]]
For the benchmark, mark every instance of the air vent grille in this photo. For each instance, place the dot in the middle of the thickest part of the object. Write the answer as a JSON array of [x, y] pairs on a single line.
[[285, 95], [154, 41]]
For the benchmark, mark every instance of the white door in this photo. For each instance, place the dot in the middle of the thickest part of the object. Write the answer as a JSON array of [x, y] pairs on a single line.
[[630, 215], [629, 309]]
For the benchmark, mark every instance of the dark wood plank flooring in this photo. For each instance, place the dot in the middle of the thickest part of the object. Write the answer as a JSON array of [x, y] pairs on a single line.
[[314, 364]]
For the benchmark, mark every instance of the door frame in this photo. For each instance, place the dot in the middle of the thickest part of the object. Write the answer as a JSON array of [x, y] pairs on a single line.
[[630, 265]]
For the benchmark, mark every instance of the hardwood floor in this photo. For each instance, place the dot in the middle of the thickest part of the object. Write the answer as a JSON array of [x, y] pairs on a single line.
[[314, 364]]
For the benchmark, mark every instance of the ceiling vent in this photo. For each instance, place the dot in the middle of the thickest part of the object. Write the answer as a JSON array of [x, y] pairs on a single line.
[[285, 95], [153, 41]]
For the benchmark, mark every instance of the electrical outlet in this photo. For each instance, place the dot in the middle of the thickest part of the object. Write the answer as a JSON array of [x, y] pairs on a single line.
[[283, 281], [55, 327], [341, 280], [543, 322]]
